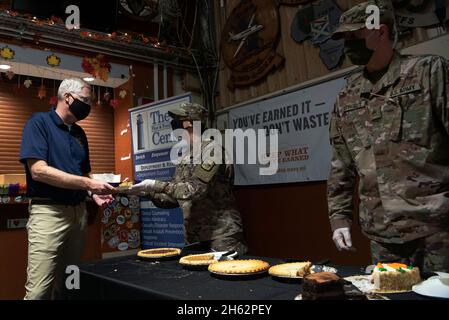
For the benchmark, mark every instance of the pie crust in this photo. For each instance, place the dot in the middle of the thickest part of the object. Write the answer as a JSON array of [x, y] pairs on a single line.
[[239, 266], [291, 270], [159, 252], [203, 259]]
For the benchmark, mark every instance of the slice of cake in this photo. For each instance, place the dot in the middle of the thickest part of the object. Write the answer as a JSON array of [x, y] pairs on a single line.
[[323, 286], [394, 277]]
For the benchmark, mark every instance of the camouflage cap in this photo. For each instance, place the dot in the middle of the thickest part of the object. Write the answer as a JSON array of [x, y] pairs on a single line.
[[189, 111], [355, 18]]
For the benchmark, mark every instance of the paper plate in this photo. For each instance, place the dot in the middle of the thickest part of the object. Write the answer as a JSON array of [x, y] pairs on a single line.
[[437, 287]]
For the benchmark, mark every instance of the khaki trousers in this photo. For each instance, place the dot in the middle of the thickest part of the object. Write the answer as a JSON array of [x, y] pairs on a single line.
[[56, 238]]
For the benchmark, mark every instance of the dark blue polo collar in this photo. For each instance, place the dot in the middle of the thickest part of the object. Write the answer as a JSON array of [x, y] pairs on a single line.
[[58, 121], [55, 117]]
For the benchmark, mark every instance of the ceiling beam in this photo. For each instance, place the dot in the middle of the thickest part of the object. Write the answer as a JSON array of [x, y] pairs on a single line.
[[24, 30]]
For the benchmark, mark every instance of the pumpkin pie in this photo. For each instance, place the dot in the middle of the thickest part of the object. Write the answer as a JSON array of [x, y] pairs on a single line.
[[203, 259], [159, 253], [239, 266], [291, 270]]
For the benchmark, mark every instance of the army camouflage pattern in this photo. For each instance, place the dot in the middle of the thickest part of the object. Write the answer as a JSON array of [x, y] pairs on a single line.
[[429, 253], [208, 205], [189, 111], [356, 17], [393, 136]]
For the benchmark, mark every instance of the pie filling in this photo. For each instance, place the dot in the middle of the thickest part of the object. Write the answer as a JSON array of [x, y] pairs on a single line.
[[239, 266], [198, 259], [291, 270], [160, 252]]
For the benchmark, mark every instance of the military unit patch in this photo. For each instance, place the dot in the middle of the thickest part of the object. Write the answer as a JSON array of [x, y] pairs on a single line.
[[206, 171], [316, 22]]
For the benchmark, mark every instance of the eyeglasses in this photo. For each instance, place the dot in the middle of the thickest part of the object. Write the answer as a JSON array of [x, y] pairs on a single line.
[[87, 100]]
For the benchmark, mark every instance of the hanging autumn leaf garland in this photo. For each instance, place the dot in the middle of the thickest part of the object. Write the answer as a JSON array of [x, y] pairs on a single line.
[[98, 67]]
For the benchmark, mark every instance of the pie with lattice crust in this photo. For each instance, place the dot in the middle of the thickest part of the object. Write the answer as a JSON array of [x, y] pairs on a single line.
[[159, 253], [239, 266], [291, 270], [203, 259]]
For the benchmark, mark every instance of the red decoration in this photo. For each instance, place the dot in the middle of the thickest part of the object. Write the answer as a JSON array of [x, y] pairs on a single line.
[[98, 67], [53, 100], [42, 93], [114, 103]]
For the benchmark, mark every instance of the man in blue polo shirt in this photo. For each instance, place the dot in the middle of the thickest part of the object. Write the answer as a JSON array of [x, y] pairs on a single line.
[[55, 154]]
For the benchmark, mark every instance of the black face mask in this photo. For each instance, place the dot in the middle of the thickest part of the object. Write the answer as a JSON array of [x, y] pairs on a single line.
[[176, 124], [79, 109], [357, 52]]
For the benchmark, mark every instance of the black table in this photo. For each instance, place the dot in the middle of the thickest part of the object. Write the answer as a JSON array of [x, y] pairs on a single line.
[[132, 278]]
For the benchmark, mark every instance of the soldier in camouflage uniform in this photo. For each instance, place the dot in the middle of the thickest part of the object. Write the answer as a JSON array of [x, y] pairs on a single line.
[[390, 130], [202, 189]]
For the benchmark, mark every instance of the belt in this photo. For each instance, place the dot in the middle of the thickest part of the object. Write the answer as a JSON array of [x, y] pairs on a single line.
[[52, 202]]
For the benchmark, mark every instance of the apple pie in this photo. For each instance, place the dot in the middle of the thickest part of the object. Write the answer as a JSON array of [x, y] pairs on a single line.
[[203, 259], [291, 270], [124, 186], [239, 266], [159, 253]]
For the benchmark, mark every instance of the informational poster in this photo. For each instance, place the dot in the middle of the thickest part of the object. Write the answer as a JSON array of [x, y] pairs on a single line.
[[120, 225], [302, 119], [151, 144]]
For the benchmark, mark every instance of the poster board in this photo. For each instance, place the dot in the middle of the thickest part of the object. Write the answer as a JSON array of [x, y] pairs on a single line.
[[151, 144]]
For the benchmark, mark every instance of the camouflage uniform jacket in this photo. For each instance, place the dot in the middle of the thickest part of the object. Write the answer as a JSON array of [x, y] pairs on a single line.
[[394, 136], [204, 193]]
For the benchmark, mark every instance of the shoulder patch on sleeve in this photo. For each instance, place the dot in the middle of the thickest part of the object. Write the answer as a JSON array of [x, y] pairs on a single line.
[[206, 170], [333, 128]]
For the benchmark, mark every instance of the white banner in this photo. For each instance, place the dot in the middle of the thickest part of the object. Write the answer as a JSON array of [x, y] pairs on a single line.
[[302, 118]]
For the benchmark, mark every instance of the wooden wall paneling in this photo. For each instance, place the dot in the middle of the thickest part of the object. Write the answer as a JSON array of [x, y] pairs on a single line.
[[99, 128], [15, 110], [293, 52], [122, 131]]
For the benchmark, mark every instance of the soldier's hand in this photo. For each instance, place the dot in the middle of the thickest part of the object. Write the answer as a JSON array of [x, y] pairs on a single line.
[[342, 239], [142, 188]]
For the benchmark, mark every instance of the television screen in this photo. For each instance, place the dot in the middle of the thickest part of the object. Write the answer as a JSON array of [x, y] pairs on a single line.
[[95, 15]]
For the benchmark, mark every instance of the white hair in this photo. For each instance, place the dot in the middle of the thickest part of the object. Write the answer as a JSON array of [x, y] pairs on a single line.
[[71, 85]]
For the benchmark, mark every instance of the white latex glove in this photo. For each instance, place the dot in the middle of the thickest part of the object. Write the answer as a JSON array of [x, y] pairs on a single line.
[[342, 239], [142, 188]]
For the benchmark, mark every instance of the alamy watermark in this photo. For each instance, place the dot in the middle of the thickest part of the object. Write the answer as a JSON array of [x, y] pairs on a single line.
[[72, 282], [252, 146], [73, 20], [373, 20]]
